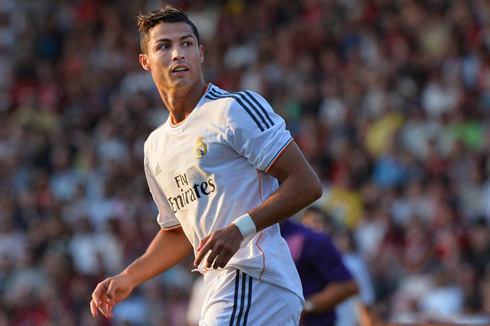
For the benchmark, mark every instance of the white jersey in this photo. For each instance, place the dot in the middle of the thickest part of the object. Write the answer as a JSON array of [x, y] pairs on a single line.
[[210, 169]]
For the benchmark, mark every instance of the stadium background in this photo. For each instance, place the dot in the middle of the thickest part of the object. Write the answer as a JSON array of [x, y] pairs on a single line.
[[388, 99]]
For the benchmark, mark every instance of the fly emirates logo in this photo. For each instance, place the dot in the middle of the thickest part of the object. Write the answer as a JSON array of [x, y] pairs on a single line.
[[189, 193]]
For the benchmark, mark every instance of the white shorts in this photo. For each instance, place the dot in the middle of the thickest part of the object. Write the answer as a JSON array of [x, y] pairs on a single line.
[[236, 299]]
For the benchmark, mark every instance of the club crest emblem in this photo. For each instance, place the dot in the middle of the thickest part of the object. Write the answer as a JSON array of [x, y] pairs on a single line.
[[200, 149]]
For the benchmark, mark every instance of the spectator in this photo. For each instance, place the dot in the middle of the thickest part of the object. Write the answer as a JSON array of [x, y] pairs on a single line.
[[326, 281]]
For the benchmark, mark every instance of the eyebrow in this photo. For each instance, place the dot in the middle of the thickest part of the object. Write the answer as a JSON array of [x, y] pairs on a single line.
[[180, 39]]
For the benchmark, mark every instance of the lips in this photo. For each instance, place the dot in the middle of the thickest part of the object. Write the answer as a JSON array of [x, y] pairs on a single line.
[[180, 68]]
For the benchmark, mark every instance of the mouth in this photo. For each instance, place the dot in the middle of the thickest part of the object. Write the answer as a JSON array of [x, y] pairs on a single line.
[[179, 69]]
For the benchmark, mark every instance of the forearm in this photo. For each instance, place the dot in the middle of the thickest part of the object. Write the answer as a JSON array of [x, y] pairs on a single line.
[[167, 249], [299, 187], [332, 295], [291, 197]]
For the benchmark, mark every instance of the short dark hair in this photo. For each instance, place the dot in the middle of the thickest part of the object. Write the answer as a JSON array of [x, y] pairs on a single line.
[[166, 14]]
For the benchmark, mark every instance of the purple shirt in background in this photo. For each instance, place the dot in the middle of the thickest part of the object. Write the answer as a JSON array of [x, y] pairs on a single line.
[[318, 262]]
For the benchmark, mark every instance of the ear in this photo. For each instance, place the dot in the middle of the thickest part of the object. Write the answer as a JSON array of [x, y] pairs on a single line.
[[145, 62], [201, 52]]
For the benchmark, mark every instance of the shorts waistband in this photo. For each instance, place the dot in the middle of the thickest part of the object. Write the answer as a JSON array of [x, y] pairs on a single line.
[[211, 274]]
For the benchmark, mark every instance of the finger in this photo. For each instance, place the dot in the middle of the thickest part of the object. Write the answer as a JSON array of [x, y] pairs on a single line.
[[226, 259], [212, 257], [202, 243], [109, 309], [199, 257], [111, 290], [222, 260], [201, 254], [103, 309], [218, 261], [93, 308], [99, 292]]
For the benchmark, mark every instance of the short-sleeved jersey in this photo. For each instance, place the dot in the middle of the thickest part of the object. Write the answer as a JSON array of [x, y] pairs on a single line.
[[212, 168]]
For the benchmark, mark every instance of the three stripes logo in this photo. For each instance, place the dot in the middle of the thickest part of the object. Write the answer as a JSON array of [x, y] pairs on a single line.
[[242, 300], [249, 103], [158, 170]]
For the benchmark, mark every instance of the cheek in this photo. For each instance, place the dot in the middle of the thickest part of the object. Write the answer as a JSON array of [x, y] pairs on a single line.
[[158, 65]]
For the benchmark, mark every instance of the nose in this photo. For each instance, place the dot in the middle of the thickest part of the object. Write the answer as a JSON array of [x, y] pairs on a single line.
[[178, 53]]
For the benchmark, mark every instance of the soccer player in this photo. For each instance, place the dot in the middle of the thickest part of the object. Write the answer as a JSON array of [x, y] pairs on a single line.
[[223, 171]]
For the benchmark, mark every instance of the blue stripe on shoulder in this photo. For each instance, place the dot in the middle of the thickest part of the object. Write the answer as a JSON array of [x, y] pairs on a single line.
[[260, 106], [240, 98], [254, 106]]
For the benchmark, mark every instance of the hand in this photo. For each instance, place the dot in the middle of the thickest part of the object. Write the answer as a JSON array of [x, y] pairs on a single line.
[[223, 244], [108, 293], [309, 308]]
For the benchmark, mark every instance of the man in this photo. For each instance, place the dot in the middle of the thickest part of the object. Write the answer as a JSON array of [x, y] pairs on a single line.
[[326, 281], [213, 169]]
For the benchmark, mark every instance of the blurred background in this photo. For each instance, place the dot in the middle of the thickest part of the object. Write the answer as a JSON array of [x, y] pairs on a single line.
[[388, 99]]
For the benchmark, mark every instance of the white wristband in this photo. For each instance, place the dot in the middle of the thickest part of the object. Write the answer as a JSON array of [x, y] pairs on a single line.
[[246, 225]]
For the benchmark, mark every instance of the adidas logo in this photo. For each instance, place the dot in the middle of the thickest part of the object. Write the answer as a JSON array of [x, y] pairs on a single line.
[[158, 170]]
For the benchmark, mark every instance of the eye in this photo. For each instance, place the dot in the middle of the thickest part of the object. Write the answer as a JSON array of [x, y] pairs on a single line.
[[187, 43], [164, 47]]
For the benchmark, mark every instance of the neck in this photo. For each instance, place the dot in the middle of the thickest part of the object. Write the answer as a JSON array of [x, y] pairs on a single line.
[[182, 101]]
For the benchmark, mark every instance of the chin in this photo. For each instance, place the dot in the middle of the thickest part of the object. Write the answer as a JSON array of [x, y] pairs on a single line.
[[184, 82]]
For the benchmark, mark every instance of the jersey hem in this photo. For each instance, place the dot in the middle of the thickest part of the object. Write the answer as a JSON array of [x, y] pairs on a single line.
[[172, 228], [274, 159]]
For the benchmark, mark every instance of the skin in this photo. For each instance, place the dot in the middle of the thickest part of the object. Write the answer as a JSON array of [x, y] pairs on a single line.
[[174, 45], [332, 294]]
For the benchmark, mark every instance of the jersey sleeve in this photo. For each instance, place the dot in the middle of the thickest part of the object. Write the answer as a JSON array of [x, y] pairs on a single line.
[[255, 131], [166, 217]]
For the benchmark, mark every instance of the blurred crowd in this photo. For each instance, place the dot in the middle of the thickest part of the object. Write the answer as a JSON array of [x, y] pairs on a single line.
[[388, 99]]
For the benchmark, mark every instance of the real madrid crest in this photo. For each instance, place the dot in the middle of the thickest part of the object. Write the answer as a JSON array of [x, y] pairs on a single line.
[[201, 148]]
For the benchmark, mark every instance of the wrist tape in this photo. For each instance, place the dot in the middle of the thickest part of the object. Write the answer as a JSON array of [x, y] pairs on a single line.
[[246, 225]]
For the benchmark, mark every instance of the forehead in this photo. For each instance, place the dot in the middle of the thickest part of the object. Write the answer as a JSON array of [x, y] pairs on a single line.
[[172, 31]]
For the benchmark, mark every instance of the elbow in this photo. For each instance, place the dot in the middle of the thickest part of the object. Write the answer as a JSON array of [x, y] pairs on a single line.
[[315, 189], [318, 191], [311, 190]]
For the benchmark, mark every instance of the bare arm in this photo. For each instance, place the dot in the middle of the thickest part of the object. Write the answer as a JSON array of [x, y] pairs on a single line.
[[333, 294], [299, 187], [167, 249]]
